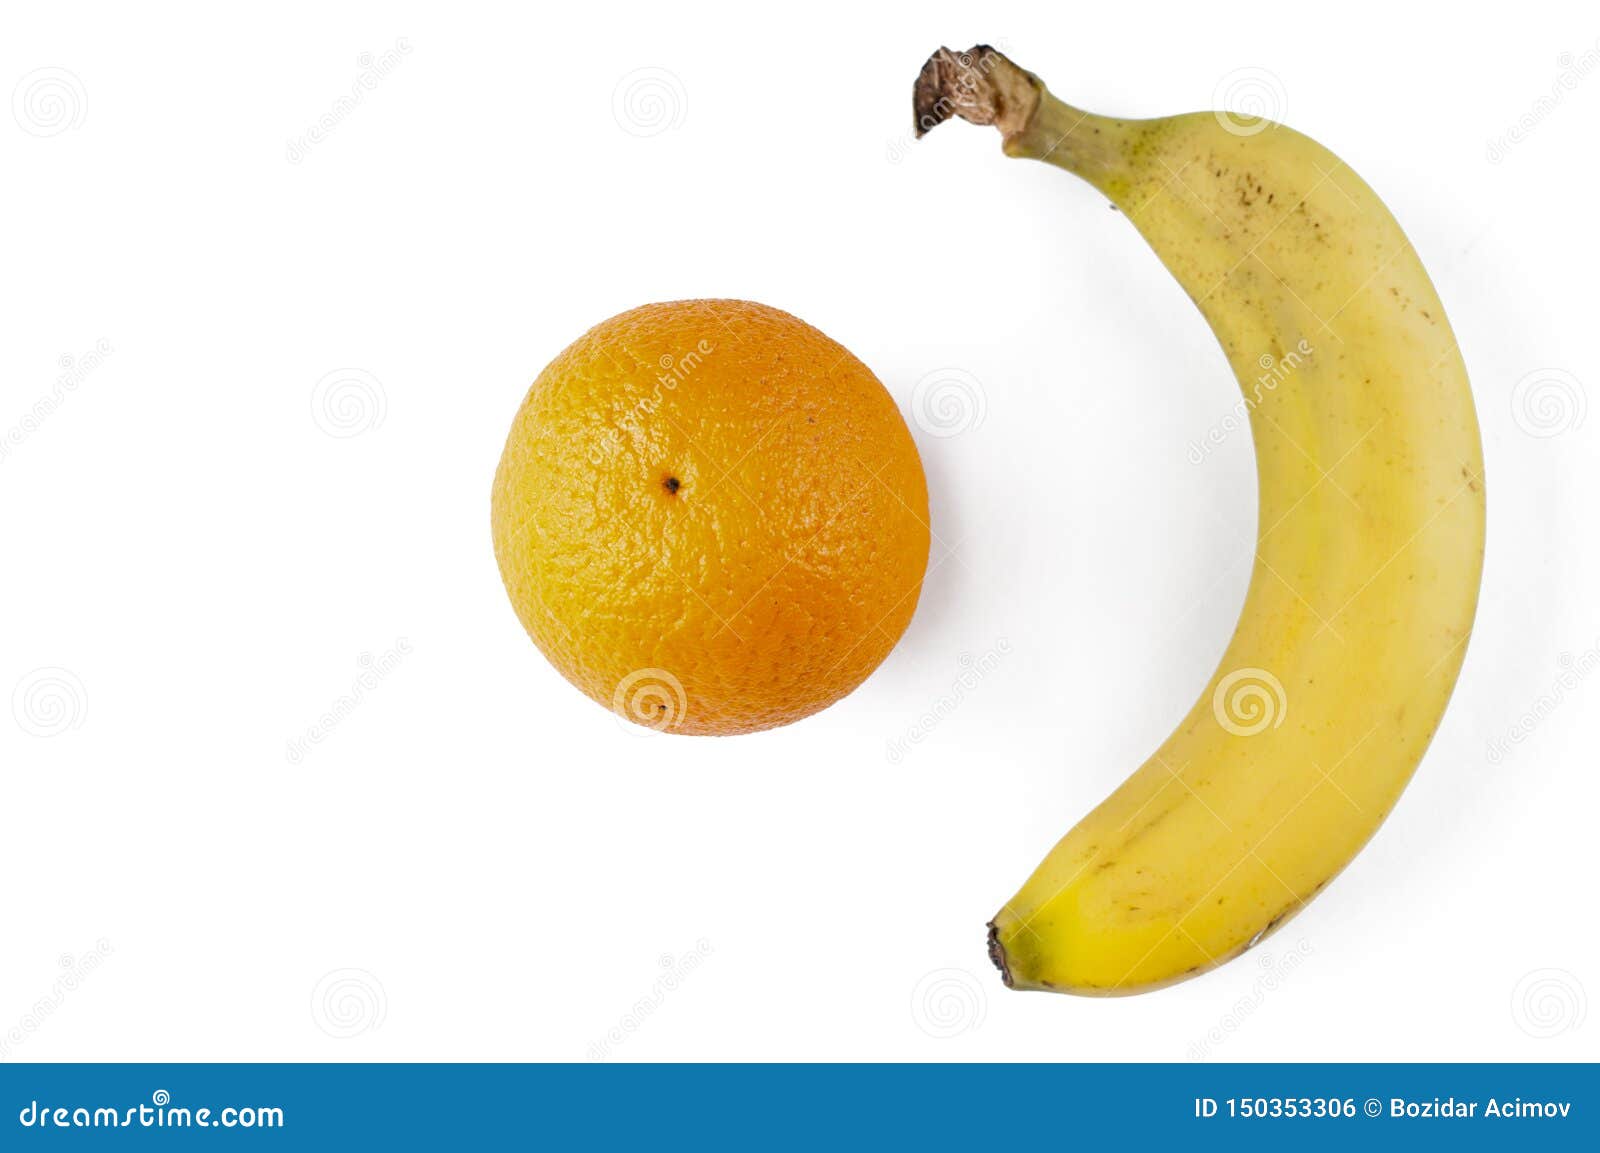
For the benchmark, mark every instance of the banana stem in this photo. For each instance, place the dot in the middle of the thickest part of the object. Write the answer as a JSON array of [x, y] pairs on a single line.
[[983, 86]]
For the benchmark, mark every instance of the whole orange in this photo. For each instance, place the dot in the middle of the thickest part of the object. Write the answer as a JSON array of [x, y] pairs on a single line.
[[710, 517]]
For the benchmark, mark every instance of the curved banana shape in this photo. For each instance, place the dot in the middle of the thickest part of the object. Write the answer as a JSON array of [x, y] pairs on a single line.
[[1369, 549]]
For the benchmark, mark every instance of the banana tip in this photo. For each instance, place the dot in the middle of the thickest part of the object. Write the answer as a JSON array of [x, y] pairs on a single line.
[[997, 954]]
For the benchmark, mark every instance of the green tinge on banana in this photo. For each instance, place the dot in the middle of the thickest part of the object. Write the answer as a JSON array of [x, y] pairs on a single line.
[[1369, 548]]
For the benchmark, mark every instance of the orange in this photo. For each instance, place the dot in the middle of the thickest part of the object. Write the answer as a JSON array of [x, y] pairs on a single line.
[[710, 517]]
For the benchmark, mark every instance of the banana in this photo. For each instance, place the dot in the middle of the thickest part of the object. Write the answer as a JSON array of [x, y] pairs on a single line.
[[1368, 554]]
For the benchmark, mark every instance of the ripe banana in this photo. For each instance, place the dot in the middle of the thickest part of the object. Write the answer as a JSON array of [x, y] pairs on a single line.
[[1368, 554]]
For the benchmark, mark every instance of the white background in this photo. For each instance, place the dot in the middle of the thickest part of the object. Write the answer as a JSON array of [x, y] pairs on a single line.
[[477, 862]]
